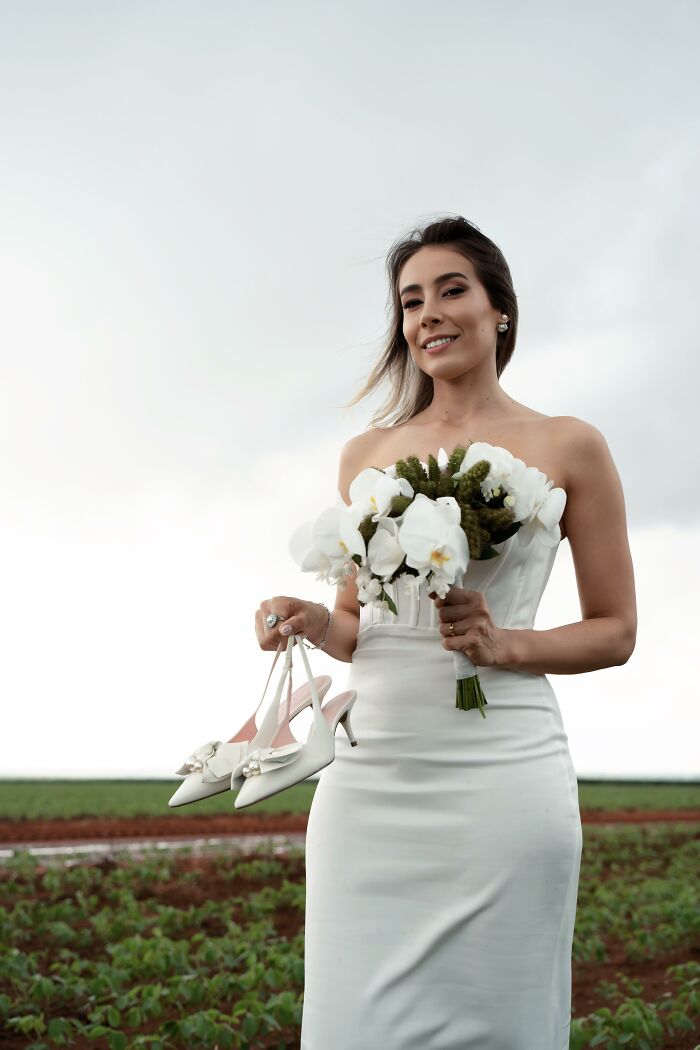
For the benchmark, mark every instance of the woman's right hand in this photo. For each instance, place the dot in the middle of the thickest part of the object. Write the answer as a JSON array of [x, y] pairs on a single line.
[[307, 618]]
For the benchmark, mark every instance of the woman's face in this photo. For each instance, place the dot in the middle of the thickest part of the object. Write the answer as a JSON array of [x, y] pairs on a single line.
[[449, 300]]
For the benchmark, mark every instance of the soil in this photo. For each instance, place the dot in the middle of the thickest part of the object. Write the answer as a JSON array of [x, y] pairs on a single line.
[[212, 886], [174, 826]]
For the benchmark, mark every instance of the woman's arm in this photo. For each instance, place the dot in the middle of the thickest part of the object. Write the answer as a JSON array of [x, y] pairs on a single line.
[[596, 528]]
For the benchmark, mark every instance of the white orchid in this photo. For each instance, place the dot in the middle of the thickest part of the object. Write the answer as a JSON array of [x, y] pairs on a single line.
[[411, 583], [527, 491], [442, 459], [350, 536], [501, 463], [368, 588], [434, 541], [544, 527], [534, 502], [384, 550], [546, 523], [326, 546], [529, 494], [373, 490]]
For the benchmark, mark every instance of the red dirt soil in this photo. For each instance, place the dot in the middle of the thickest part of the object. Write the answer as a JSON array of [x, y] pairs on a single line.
[[212, 885], [172, 826]]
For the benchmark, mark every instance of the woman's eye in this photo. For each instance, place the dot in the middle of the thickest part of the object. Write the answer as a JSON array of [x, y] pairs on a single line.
[[410, 302]]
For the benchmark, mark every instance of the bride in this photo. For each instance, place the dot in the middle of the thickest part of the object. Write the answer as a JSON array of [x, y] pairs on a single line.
[[443, 852]]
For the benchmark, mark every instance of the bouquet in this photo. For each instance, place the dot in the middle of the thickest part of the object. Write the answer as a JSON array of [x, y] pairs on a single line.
[[423, 522]]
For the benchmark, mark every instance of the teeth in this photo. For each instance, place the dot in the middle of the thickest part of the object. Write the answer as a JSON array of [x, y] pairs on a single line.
[[439, 342]]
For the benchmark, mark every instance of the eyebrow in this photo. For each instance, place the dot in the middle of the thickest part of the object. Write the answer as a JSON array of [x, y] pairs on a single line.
[[442, 277]]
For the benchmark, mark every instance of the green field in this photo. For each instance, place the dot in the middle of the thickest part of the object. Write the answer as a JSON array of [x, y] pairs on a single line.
[[128, 798], [170, 952]]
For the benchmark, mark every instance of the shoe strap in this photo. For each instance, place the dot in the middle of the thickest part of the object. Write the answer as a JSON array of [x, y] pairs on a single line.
[[315, 700], [280, 647], [288, 669], [289, 662]]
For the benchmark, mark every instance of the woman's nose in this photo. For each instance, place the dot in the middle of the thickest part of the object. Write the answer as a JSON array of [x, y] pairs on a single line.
[[430, 313]]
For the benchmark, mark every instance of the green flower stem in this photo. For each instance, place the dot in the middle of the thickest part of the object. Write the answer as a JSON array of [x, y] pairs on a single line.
[[470, 695]]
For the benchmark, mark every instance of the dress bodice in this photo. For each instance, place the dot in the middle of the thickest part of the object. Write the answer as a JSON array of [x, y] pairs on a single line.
[[513, 584]]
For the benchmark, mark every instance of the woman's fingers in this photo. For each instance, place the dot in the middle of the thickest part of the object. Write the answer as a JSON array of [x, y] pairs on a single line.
[[455, 596], [293, 614], [461, 604], [460, 627], [269, 637], [293, 625], [281, 605], [305, 619]]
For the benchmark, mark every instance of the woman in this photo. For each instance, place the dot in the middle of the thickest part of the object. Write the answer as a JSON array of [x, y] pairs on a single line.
[[443, 852]]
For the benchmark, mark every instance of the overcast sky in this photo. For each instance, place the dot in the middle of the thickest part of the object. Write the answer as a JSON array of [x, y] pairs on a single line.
[[196, 203]]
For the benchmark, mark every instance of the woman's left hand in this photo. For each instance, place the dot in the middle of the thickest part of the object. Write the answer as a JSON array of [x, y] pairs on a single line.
[[475, 633]]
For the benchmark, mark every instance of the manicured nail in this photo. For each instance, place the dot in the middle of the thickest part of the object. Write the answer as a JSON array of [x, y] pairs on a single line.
[[287, 629]]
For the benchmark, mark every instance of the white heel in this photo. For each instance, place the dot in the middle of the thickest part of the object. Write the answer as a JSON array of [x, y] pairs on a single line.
[[267, 771], [345, 722], [208, 770]]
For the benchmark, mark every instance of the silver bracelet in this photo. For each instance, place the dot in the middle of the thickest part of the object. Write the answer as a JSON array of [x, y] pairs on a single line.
[[323, 640]]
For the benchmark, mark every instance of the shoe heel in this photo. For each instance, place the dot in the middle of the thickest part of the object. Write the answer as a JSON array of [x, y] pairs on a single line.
[[345, 723]]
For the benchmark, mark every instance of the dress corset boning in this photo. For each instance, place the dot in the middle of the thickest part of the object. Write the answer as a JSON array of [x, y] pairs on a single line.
[[513, 584]]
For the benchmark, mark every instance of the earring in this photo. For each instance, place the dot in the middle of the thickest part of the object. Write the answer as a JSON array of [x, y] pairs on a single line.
[[502, 327]]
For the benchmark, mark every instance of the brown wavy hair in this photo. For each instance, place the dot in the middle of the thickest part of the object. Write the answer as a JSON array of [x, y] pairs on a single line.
[[411, 390]]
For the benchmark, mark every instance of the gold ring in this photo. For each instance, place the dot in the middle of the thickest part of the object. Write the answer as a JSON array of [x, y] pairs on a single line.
[[452, 628]]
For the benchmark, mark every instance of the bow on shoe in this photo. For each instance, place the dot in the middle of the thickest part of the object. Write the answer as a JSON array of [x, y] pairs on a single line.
[[214, 760], [264, 759]]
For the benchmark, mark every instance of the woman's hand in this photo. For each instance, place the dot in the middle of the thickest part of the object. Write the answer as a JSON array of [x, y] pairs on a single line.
[[475, 633], [307, 618]]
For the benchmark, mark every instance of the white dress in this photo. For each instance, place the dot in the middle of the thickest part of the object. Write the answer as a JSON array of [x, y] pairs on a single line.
[[443, 852]]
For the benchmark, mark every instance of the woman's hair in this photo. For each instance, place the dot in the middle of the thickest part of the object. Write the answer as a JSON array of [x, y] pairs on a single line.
[[411, 389]]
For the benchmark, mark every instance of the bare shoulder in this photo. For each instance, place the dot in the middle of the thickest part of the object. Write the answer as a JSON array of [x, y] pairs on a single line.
[[354, 456], [577, 431], [582, 446], [595, 504]]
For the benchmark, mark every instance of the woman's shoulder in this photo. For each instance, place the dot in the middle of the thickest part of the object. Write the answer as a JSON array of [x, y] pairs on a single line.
[[359, 448], [565, 448], [355, 454], [578, 437], [582, 451], [566, 428]]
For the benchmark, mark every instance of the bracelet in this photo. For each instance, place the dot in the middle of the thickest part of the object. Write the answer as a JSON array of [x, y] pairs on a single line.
[[323, 640]]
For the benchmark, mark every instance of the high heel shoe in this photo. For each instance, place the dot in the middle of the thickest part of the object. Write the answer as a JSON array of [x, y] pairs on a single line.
[[285, 761], [208, 769]]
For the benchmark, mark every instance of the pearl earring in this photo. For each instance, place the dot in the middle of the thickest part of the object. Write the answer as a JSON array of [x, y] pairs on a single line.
[[502, 327]]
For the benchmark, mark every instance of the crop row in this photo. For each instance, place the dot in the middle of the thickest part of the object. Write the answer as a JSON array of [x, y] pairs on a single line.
[[168, 952]]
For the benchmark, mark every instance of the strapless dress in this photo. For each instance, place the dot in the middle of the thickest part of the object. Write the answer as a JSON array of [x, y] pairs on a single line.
[[443, 852]]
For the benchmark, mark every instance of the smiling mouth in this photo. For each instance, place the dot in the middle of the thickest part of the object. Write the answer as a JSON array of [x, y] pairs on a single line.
[[439, 346]]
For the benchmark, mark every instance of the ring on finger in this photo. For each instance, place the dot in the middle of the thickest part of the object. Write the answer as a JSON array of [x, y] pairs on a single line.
[[271, 619], [452, 629]]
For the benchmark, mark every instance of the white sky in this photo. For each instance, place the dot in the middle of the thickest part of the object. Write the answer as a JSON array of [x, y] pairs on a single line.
[[196, 202]]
